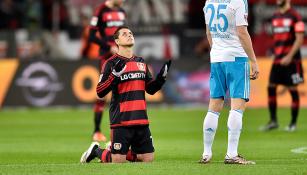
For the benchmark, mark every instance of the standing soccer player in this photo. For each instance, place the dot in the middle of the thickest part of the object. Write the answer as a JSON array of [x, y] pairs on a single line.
[[128, 77], [108, 17], [231, 50], [288, 33]]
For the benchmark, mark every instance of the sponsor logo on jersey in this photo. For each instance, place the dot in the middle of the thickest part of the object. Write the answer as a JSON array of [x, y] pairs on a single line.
[[131, 76], [281, 29], [115, 23]]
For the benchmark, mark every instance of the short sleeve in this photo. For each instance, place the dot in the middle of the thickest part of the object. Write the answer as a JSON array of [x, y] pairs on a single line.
[[241, 13], [206, 15], [96, 19], [299, 25]]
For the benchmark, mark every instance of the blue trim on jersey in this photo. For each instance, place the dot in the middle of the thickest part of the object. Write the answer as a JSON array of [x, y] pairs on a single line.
[[246, 6]]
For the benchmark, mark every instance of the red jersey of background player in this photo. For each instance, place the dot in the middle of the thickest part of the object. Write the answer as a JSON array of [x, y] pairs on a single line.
[[106, 20], [284, 28]]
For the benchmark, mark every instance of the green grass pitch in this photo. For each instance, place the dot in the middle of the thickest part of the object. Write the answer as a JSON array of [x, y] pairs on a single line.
[[51, 141]]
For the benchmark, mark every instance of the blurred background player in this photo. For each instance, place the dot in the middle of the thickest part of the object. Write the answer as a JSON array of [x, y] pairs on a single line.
[[89, 50], [128, 77], [288, 33], [108, 17], [231, 50]]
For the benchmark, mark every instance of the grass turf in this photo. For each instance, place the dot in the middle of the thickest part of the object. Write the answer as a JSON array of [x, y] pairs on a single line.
[[51, 141]]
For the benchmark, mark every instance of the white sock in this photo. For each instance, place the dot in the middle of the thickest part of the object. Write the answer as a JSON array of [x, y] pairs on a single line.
[[234, 130], [209, 129]]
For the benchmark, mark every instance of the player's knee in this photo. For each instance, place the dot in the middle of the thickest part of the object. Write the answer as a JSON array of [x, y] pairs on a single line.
[[146, 157], [118, 158], [216, 105]]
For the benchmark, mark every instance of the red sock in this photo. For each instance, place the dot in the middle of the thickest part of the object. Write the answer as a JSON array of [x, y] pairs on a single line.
[[105, 156], [131, 157]]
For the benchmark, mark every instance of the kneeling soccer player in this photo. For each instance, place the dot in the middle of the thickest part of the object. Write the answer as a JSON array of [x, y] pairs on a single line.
[[128, 77]]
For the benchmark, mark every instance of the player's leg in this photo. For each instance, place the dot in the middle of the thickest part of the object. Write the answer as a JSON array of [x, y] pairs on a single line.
[[98, 110], [234, 125], [294, 108], [272, 100], [217, 94], [276, 76], [239, 90], [104, 155], [147, 157], [209, 128], [118, 150], [121, 139], [142, 145], [98, 114], [295, 77]]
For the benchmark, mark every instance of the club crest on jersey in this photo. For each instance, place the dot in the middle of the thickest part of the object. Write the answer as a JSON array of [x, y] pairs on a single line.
[[117, 146], [141, 66]]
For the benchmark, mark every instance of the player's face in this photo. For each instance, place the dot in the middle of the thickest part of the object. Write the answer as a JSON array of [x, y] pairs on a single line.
[[125, 38], [281, 3], [118, 3]]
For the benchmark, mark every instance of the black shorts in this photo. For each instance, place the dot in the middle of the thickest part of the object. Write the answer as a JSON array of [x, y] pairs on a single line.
[[290, 75], [138, 137]]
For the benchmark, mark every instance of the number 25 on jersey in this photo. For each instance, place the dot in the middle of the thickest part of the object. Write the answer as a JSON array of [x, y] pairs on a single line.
[[219, 16]]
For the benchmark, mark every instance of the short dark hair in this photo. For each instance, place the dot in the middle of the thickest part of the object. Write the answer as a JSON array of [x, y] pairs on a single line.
[[116, 33]]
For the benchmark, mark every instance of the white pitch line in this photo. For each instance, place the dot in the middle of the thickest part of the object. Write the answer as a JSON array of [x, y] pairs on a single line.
[[300, 150], [271, 160]]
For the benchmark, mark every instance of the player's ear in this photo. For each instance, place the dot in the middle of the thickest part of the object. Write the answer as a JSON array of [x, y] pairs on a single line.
[[117, 41]]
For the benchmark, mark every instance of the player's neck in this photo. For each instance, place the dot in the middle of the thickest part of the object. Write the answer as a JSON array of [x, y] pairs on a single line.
[[284, 8], [126, 52], [110, 5]]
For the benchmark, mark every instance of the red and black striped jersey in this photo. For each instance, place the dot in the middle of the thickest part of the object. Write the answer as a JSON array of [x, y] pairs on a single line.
[[285, 25], [128, 105], [106, 21]]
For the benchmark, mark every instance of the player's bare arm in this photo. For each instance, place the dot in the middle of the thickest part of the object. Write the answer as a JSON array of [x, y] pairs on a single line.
[[299, 39], [248, 48], [208, 35]]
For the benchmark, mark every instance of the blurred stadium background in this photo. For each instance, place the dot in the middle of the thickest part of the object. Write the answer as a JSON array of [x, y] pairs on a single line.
[[47, 87]]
